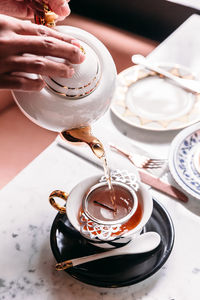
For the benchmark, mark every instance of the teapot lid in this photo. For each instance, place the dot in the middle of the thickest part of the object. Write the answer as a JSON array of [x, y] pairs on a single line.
[[85, 79]]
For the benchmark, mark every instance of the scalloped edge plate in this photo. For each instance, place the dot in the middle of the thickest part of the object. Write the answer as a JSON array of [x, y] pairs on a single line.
[[140, 113]]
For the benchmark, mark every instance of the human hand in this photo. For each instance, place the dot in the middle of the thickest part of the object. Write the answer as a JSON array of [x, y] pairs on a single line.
[[27, 8], [23, 47]]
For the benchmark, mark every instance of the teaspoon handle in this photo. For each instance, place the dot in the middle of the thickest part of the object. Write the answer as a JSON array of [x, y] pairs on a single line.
[[144, 243], [81, 260]]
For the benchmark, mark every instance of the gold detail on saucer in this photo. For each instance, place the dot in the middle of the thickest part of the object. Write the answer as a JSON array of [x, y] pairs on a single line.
[[184, 119], [127, 113], [164, 123], [143, 121]]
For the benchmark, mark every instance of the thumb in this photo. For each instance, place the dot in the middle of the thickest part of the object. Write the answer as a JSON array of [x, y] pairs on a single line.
[[60, 7]]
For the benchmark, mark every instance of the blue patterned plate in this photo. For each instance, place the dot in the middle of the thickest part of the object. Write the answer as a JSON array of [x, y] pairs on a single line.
[[184, 160]]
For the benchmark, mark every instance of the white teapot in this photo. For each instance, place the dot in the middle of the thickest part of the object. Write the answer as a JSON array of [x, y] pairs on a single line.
[[67, 103]]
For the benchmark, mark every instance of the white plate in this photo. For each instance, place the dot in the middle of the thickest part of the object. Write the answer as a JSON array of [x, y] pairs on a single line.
[[184, 160], [146, 100]]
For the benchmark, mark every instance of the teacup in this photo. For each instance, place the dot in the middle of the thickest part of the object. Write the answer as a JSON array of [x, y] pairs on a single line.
[[108, 234]]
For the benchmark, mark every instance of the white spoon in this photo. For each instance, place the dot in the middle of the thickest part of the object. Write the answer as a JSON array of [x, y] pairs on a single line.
[[143, 243], [189, 84]]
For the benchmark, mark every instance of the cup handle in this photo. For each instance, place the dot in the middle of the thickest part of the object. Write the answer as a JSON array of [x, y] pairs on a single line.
[[59, 194]]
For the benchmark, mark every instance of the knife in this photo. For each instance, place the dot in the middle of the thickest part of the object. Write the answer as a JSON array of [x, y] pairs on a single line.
[[152, 176], [162, 186], [145, 177]]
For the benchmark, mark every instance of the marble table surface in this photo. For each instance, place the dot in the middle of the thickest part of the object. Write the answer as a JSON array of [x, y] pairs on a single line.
[[27, 265]]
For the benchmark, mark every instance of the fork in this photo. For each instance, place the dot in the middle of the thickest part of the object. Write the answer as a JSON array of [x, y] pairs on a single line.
[[140, 161]]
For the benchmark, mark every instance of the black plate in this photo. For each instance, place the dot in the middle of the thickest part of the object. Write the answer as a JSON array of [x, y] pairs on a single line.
[[118, 271]]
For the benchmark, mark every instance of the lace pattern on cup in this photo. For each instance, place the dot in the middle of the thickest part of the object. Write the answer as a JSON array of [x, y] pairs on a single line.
[[94, 230], [123, 176]]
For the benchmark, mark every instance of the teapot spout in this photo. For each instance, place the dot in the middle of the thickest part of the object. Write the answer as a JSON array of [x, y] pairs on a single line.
[[84, 135]]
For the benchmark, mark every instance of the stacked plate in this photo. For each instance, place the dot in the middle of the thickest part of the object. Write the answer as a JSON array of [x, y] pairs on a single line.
[[184, 159]]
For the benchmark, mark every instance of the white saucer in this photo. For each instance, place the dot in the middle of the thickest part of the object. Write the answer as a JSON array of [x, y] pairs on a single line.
[[146, 100], [184, 160]]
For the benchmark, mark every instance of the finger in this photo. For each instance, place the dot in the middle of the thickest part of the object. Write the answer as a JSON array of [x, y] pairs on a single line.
[[60, 7], [42, 46], [36, 65], [20, 83], [35, 5], [25, 28]]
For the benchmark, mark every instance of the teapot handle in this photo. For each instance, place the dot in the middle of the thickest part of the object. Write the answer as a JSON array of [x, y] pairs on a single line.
[[59, 194]]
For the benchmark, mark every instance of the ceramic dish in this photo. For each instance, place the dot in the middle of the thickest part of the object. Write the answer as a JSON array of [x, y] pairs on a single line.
[[184, 160], [146, 100], [66, 243]]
